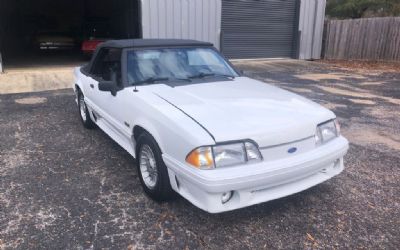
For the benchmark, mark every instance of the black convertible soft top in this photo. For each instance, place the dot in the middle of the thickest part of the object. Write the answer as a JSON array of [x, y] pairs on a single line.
[[144, 43]]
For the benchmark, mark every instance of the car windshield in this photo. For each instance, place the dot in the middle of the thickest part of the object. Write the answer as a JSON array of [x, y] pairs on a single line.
[[152, 65]]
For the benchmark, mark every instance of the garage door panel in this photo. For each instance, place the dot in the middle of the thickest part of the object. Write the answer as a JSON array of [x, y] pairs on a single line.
[[250, 28], [259, 40], [261, 23], [259, 28]]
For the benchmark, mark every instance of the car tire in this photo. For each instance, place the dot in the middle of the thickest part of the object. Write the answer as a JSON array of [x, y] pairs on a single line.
[[84, 112], [149, 163]]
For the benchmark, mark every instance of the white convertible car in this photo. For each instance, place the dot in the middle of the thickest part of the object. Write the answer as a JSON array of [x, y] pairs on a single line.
[[199, 128]]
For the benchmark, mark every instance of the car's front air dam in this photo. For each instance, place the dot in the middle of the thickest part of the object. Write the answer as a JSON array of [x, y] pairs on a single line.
[[256, 183]]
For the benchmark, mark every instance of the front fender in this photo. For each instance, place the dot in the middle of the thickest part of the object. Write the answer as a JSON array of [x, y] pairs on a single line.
[[77, 80], [151, 129], [175, 132]]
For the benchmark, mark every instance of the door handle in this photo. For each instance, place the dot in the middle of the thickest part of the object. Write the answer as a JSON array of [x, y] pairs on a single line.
[[92, 86]]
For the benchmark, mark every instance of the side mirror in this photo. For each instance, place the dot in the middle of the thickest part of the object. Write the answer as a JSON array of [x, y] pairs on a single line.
[[241, 72], [108, 86]]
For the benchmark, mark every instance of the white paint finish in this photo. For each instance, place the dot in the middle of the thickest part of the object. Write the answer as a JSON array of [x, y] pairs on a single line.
[[260, 182], [235, 110], [182, 19], [274, 115], [311, 26], [143, 108], [243, 108]]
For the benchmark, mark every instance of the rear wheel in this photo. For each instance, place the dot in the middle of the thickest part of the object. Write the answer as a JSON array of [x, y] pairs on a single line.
[[153, 173], [84, 112]]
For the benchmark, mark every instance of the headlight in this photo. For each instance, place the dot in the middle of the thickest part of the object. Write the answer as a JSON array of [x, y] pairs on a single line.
[[223, 155], [327, 131], [231, 154]]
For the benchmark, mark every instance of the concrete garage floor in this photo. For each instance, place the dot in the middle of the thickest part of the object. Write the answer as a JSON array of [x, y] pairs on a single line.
[[38, 72], [66, 187]]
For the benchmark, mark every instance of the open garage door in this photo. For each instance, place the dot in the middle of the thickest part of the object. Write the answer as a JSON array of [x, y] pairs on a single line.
[[52, 31], [259, 28]]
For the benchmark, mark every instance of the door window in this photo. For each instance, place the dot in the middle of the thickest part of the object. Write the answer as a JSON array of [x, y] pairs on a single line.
[[107, 66]]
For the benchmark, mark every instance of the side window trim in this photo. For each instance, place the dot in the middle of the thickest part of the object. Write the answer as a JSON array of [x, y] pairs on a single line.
[[99, 56], [124, 68], [100, 59]]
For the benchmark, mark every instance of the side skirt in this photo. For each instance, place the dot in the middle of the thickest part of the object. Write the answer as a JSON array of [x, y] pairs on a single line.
[[112, 132]]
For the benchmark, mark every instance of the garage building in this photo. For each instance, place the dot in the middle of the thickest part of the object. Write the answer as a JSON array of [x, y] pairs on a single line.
[[24, 23], [241, 29]]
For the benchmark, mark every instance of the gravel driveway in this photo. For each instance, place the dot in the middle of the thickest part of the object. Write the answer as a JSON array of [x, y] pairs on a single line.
[[63, 186]]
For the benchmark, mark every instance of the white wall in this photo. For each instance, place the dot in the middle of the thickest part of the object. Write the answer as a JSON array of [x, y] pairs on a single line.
[[311, 27], [182, 19]]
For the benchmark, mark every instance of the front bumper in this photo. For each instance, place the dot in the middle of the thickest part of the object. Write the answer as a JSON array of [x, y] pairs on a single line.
[[259, 182], [56, 46]]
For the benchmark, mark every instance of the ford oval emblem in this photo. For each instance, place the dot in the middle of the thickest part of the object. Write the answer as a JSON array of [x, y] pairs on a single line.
[[292, 150]]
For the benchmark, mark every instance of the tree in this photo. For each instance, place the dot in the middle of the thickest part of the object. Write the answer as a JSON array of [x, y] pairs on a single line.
[[362, 8]]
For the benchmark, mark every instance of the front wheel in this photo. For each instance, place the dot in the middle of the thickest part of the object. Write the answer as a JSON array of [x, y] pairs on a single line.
[[153, 173], [84, 112]]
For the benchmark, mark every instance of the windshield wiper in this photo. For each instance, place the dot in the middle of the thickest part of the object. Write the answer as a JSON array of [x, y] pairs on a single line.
[[224, 75], [183, 79], [151, 80], [203, 75]]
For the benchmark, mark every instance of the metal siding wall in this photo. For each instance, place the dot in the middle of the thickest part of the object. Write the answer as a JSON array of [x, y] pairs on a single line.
[[311, 26], [259, 28], [182, 19]]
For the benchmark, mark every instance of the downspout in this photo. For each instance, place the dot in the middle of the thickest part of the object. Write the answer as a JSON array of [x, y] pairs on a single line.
[[140, 18], [313, 30], [297, 32]]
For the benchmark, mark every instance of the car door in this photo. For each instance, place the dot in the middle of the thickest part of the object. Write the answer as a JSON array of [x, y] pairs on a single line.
[[91, 81], [108, 106], [88, 85]]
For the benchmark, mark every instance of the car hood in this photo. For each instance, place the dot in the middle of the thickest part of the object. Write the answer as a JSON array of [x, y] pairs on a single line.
[[247, 109]]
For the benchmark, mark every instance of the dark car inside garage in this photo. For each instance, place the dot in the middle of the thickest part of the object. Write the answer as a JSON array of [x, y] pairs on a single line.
[[48, 32]]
